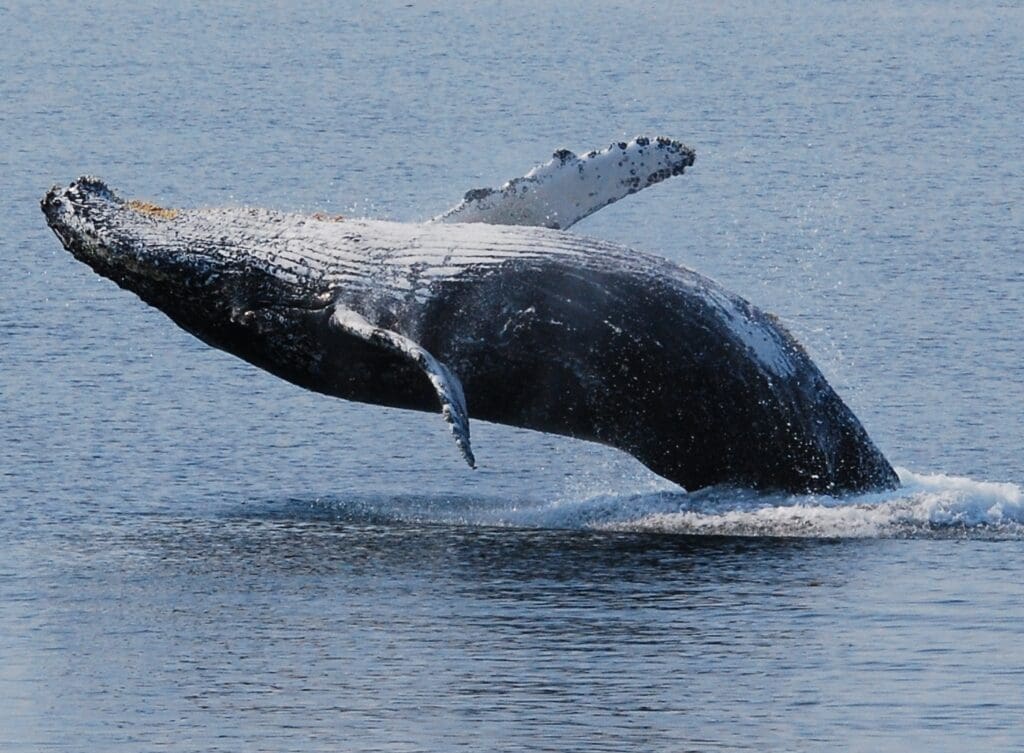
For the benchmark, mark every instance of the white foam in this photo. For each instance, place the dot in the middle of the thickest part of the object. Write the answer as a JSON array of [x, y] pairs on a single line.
[[926, 506]]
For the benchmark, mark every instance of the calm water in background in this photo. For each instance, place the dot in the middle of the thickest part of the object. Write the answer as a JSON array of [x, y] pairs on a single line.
[[194, 555]]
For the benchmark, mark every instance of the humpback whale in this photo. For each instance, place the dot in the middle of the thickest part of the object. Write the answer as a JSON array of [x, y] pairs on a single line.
[[491, 311]]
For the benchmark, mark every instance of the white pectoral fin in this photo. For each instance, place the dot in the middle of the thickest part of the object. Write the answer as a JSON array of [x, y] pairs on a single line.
[[563, 191], [445, 383]]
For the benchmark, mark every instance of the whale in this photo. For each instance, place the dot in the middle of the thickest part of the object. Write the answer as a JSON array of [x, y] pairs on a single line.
[[492, 311]]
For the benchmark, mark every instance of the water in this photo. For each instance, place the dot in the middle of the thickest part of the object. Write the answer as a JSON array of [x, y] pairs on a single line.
[[194, 555]]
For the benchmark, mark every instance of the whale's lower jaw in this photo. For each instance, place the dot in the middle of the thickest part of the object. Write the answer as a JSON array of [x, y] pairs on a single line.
[[520, 326]]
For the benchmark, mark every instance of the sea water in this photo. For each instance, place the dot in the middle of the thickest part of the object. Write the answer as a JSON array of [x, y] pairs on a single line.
[[195, 555]]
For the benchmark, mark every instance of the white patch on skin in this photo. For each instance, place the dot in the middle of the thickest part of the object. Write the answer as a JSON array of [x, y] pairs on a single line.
[[362, 253], [763, 342], [564, 190]]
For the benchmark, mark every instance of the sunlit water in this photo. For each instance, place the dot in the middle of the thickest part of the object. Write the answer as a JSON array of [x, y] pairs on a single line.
[[196, 556]]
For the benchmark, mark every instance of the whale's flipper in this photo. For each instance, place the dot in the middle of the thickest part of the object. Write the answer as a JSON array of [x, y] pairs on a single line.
[[446, 384], [563, 191]]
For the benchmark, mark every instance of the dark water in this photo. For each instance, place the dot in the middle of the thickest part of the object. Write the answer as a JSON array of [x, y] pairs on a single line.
[[196, 556]]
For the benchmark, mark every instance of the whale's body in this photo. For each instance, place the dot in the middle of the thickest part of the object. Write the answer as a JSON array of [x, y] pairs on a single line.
[[524, 326]]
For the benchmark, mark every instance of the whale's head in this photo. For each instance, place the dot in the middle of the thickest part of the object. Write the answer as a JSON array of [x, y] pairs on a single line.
[[130, 242], [210, 288]]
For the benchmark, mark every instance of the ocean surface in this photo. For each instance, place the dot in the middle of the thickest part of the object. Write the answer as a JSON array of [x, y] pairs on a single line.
[[195, 555]]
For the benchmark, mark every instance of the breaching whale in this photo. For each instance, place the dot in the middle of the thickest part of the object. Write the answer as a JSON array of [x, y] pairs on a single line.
[[492, 310]]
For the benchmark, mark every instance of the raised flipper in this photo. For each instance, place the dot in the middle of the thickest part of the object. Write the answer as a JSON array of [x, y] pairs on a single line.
[[560, 193], [446, 384]]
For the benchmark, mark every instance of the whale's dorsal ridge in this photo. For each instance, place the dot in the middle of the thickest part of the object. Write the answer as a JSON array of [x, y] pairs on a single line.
[[445, 383], [567, 188]]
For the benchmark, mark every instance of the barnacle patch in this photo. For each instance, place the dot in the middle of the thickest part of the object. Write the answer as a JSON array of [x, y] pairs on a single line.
[[152, 210]]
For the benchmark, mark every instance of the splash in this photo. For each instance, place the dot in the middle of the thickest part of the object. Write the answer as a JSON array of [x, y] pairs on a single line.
[[925, 506]]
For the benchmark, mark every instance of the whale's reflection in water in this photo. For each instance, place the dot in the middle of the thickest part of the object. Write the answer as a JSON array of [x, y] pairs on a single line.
[[453, 535]]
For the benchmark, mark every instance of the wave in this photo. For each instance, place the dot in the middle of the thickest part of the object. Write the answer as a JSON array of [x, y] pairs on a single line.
[[925, 506]]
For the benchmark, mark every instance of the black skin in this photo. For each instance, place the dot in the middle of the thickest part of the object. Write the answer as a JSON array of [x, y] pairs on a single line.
[[633, 358], [670, 388]]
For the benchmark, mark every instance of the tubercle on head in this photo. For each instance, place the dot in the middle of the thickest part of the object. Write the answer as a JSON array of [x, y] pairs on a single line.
[[90, 187]]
